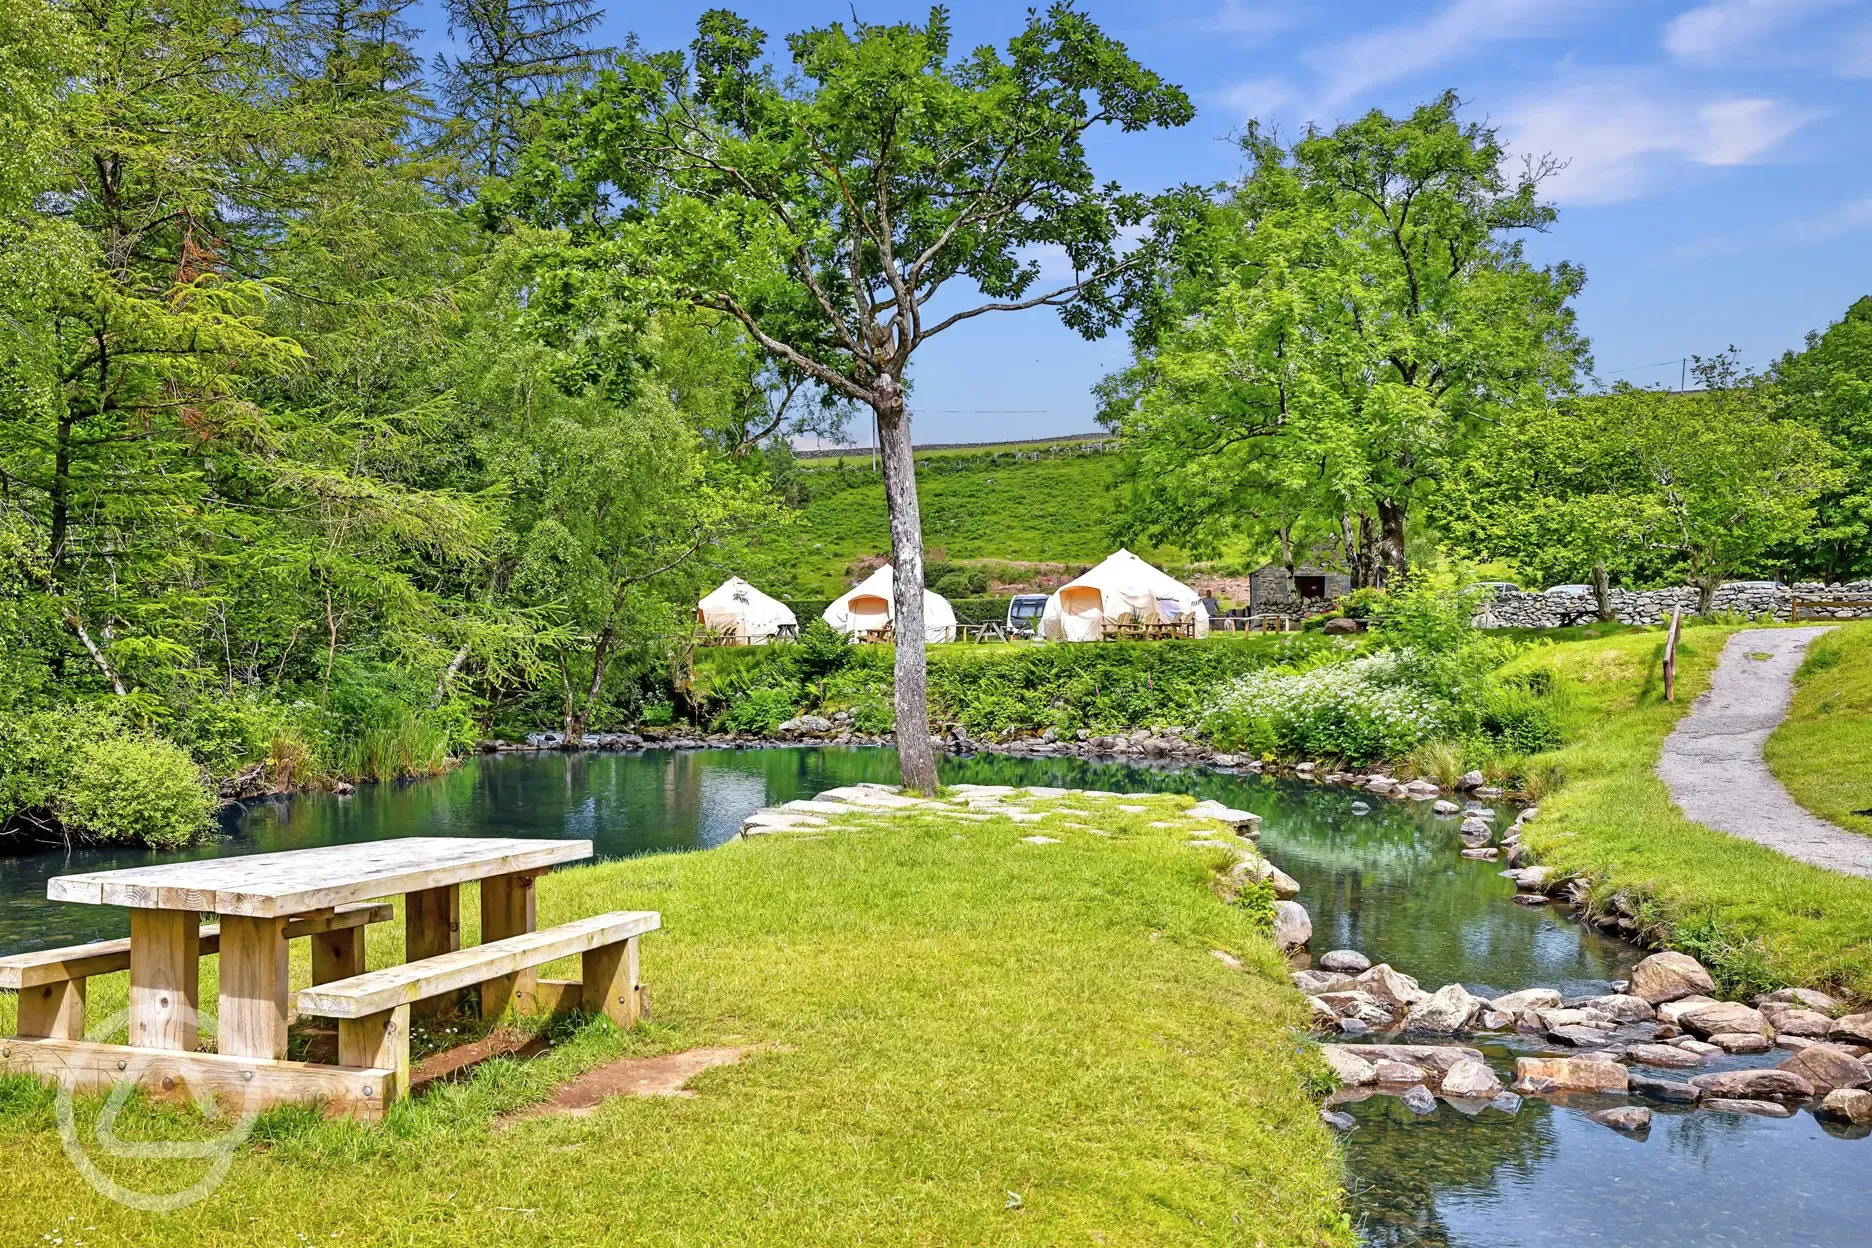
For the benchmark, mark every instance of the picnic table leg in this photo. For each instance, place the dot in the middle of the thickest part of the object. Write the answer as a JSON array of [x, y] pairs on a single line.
[[609, 976], [381, 1041], [508, 909], [55, 1011], [431, 926], [165, 952], [254, 967], [337, 954]]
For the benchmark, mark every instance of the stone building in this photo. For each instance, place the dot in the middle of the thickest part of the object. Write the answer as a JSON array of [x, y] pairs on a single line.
[[1305, 591]]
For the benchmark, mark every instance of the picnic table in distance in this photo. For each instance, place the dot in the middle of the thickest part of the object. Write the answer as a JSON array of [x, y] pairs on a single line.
[[326, 895], [1148, 630]]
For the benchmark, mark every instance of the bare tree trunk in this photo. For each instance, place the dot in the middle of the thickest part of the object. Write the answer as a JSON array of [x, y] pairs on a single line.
[[97, 656], [1706, 593], [916, 757], [1602, 592]]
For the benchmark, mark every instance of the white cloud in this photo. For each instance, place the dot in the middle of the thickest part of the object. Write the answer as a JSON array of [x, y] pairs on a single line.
[[1256, 97], [1846, 219], [1621, 138], [1455, 31], [1723, 27], [1252, 21]]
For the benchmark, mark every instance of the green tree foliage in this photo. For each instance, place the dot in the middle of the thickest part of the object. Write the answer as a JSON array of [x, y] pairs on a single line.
[[1349, 318], [1828, 387], [824, 212]]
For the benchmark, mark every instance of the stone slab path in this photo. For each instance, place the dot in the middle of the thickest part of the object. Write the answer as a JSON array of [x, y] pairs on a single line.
[[1712, 761]]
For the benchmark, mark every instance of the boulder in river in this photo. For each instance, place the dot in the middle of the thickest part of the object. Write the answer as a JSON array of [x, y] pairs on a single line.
[[1569, 1074], [1828, 1067], [1527, 999], [1662, 1089], [1853, 1029], [1449, 1009], [1345, 961], [1631, 1119], [1400, 1073], [1620, 1007], [1353, 1070], [1799, 1022], [1801, 998], [1419, 1100], [1739, 1105], [1665, 1055], [1851, 1104], [1472, 780], [1390, 986], [1315, 982], [1669, 975], [1723, 1017], [1293, 927], [1445, 809], [1338, 1120], [1754, 1084], [1471, 1078], [1740, 1042], [1579, 1036]]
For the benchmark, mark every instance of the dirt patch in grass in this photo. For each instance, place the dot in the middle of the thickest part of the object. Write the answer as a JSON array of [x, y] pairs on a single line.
[[664, 1075]]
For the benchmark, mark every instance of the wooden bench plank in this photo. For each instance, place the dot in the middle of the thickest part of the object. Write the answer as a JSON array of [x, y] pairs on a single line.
[[53, 966], [238, 1083], [376, 991]]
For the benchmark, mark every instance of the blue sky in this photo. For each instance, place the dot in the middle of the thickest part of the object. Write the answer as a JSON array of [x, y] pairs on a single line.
[[1719, 189]]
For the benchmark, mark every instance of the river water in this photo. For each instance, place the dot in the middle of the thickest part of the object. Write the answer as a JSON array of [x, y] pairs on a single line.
[[1388, 882]]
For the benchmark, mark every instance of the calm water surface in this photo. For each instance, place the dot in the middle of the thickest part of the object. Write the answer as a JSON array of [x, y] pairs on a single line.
[[1389, 882]]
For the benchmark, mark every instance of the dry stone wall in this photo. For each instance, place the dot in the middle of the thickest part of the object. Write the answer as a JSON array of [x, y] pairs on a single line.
[[1522, 609]]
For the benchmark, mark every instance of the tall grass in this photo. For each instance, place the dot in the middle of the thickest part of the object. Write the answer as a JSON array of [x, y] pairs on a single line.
[[410, 745]]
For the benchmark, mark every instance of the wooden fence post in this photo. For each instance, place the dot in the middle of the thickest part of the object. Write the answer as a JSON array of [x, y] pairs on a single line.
[[1670, 655]]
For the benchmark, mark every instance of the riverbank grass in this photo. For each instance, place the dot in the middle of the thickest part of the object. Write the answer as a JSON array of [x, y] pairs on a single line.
[[1757, 918], [959, 1036], [1822, 752]]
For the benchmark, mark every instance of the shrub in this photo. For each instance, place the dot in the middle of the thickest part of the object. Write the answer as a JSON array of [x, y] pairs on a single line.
[[1357, 711], [657, 714], [135, 790], [761, 710]]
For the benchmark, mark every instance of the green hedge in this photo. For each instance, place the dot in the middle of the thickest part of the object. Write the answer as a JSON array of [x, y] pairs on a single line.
[[1102, 687]]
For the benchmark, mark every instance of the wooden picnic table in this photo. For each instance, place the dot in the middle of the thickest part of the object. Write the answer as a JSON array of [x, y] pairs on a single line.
[[993, 630], [265, 901], [1149, 630]]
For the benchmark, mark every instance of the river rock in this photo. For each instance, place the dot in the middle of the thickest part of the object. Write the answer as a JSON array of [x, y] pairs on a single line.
[[1798, 1022], [1419, 1100], [1754, 1084], [1663, 1055], [1662, 1089], [1580, 1037], [1507, 1102], [1853, 1029], [1702, 1048], [1391, 987], [1353, 1070], [1449, 1009], [1471, 1078], [1740, 1042], [1723, 1017], [1434, 1058], [1314, 983], [1851, 1104], [1620, 1007], [1475, 827], [1669, 976], [1493, 1020], [1389, 1071], [1534, 879], [1338, 1120], [1573, 1017], [1472, 780], [1345, 961], [1802, 998], [1735, 1105], [1446, 809], [1293, 927], [1286, 888], [1630, 1119], [1569, 1074], [806, 726], [1527, 999], [1828, 1068]]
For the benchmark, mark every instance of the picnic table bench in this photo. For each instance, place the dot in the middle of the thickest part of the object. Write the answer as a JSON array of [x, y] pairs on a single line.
[[328, 895], [1148, 630]]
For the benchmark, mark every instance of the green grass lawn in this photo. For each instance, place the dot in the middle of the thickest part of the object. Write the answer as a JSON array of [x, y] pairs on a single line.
[[1757, 916], [966, 1039], [1823, 752]]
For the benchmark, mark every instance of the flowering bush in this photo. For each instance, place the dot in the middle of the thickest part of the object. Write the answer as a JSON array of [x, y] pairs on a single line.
[[1360, 711]]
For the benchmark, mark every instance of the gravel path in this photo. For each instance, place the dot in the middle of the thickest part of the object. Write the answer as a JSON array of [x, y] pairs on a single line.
[[1712, 761]]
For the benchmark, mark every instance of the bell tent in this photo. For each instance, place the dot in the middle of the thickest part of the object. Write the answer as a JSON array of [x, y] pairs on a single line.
[[743, 615], [1122, 587], [868, 607]]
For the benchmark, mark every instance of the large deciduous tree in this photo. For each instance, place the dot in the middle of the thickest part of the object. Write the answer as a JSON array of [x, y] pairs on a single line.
[[827, 212], [1828, 387], [1354, 312]]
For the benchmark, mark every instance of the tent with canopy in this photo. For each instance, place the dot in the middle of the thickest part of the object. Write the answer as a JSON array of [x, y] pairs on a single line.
[[868, 607], [742, 615], [1122, 588]]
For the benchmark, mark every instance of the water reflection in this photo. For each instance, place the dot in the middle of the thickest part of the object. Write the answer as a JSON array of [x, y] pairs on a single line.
[[1389, 882]]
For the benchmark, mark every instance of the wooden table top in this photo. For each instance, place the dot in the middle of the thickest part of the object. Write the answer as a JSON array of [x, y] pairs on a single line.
[[299, 880]]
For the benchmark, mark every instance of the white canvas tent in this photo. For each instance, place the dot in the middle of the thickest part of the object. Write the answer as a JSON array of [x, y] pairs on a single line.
[[742, 614], [1123, 586], [868, 606]]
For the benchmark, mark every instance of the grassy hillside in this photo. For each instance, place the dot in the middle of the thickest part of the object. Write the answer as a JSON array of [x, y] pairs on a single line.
[[1823, 753], [974, 508]]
